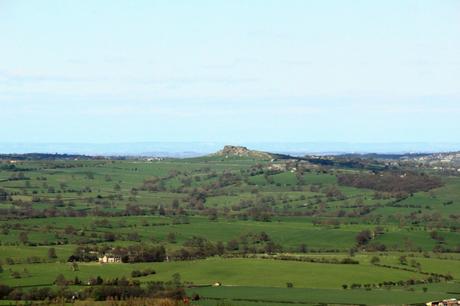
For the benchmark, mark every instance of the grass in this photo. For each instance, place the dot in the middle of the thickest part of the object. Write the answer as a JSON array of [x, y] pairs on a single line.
[[301, 296], [290, 232], [296, 207], [234, 272]]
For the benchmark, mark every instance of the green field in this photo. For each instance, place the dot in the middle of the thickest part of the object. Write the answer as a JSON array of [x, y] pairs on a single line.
[[240, 205], [302, 296], [231, 272]]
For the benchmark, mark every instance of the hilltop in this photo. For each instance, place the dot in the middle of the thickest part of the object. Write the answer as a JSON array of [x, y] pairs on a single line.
[[241, 151]]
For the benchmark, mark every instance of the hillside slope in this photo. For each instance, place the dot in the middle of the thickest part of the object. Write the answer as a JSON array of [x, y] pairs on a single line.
[[240, 151]]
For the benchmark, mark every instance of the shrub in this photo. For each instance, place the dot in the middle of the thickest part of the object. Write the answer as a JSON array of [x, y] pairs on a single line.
[[375, 260]]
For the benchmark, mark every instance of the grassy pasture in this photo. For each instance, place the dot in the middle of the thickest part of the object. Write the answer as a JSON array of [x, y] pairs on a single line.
[[290, 232], [233, 272], [91, 185], [242, 295]]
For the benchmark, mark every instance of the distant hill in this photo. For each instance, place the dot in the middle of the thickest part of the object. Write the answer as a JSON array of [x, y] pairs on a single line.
[[240, 151], [46, 156], [382, 156], [452, 158]]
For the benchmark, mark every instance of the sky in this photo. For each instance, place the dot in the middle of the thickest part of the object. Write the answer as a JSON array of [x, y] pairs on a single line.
[[229, 71]]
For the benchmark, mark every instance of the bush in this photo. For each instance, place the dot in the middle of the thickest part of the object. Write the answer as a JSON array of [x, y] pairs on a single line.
[[137, 273], [375, 260], [4, 291], [363, 237]]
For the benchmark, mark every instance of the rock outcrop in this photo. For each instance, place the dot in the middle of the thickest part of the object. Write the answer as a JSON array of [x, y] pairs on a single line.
[[241, 151]]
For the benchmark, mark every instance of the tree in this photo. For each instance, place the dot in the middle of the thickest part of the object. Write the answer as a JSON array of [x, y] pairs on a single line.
[[70, 230], [375, 260], [109, 237], [220, 248], [289, 285], [303, 248], [171, 237], [176, 279], [60, 280], [403, 260], [74, 267], [270, 247], [175, 204], [3, 195], [133, 237], [212, 215], [15, 274], [76, 281], [435, 235], [345, 286], [352, 252], [52, 253], [26, 272], [363, 237], [4, 291], [195, 297], [233, 245], [23, 237]]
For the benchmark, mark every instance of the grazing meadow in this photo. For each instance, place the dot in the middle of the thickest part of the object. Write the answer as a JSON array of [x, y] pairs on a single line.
[[229, 230]]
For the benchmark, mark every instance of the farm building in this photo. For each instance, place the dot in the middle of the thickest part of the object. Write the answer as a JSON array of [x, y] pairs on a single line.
[[109, 259], [449, 302]]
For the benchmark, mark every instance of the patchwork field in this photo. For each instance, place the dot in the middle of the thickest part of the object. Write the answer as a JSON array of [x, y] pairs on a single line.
[[294, 235]]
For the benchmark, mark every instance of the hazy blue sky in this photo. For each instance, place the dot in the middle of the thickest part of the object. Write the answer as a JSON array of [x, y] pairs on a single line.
[[231, 71]]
